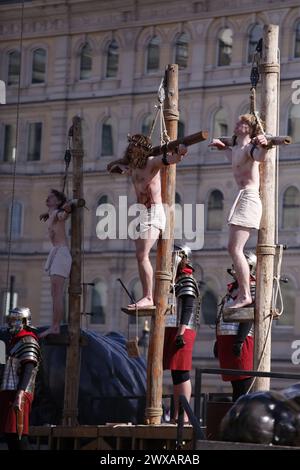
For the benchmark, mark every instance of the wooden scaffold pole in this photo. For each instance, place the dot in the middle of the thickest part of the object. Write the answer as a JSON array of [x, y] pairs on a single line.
[[72, 374], [266, 238], [163, 275]]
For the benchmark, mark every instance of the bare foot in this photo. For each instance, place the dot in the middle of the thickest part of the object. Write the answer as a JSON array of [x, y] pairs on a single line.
[[144, 302], [240, 302], [53, 330]]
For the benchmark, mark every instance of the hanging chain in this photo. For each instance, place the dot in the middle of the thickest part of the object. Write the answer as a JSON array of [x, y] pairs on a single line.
[[67, 159]]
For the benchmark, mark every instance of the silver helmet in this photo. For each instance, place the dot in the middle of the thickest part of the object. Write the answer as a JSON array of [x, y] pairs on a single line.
[[17, 318], [251, 260], [180, 253]]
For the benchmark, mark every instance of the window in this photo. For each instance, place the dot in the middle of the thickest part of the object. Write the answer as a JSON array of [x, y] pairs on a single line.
[[38, 66], [178, 217], [34, 141], [146, 125], [291, 208], [15, 219], [107, 147], [297, 40], [137, 293], [102, 200], [85, 62], [6, 301], [289, 304], [99, 302], [112, 59], [215, 211], [255, 34], [220, 127], [146, 128], [209, 307], [294, 123], [9, 143], [153, 55], [225, 47], [180, 130], [14, 64], [182, 51]]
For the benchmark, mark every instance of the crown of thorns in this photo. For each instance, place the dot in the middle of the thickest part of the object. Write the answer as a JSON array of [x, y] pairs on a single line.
[[140, 141]]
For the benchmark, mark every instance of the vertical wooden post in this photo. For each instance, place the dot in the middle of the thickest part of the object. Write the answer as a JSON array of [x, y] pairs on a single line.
[[266, 236], [163, 260], [72, 374]]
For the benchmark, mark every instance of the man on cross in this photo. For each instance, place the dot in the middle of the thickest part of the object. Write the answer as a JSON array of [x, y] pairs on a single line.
[[144, 170], [59, 261], [248, 151]]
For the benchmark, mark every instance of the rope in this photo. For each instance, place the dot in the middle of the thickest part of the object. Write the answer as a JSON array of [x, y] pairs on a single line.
[[164, 138], [14, 173]]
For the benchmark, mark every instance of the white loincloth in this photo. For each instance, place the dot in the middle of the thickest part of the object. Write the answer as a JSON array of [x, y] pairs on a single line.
[[152, 217], [246, 210], [59, 261]]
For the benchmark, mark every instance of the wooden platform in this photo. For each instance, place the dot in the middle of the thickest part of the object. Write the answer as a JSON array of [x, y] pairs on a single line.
[[141, 312], [124, 436], [112, 436], [240, 315], [221, 445]]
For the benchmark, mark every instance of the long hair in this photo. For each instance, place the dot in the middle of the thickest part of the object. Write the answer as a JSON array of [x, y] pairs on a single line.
[[60, 196], [143, 144], [251, 120]]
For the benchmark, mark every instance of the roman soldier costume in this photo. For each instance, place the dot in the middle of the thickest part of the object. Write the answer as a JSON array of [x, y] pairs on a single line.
[[17, 378]]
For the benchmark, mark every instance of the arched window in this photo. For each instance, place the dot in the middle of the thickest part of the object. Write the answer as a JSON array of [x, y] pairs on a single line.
[[146, 124], [112, 59], [137, 293], [107, 144], [291, 208], [86, 62], [136, 289], [39, 66], [34, 141], [289, 305], [225, 47], [178, 217], [182, 51], [99, 302], [15, 217], [215, 211], [255, 33], [209, 307], [9, 143], [102, 200], [297, 40], [146, 128], [14, 64], [153, 55], [220, 126], [180, 130], [294, 123]]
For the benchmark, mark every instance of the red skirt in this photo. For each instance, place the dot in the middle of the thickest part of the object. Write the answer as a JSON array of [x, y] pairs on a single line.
[[8, 421], [174, 358], [229, 361]]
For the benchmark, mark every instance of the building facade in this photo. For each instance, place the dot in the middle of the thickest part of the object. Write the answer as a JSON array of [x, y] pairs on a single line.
[[104, 62]]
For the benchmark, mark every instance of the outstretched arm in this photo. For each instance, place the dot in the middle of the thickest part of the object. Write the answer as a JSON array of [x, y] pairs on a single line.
[[221, 146], [118, 166], [171, 158], [65, 212], [259, 148]]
